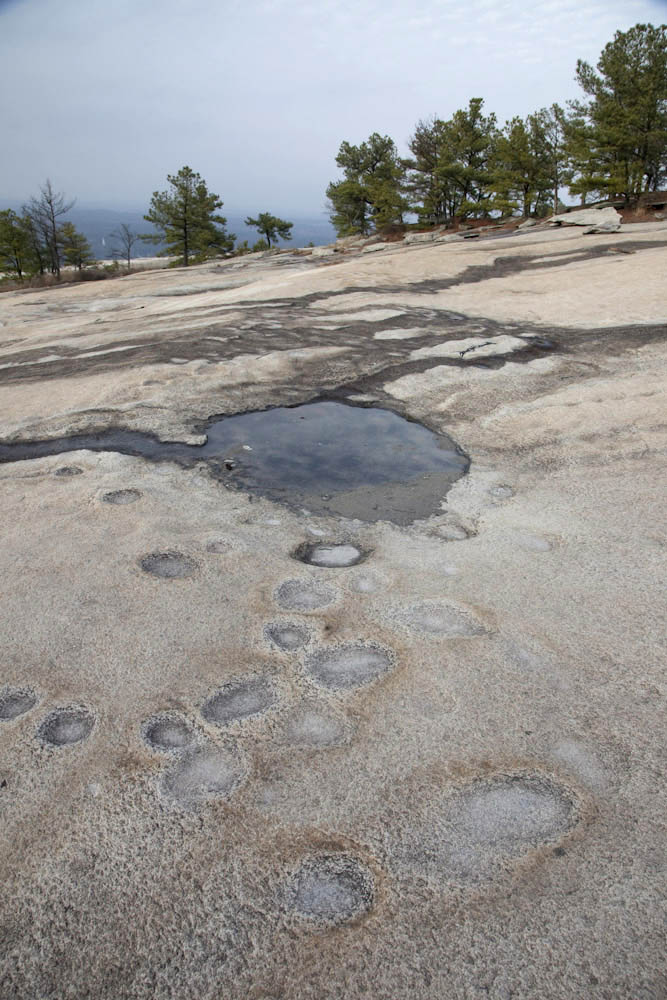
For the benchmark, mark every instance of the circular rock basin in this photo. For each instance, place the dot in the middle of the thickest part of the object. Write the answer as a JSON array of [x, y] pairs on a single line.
[[204, 774], [303, 595], [349, 665], [15, 702], [331, 889], [335, 556], [239, 700], [287, 636], [309, 726], [473, 832], [170, 565], [439, 619], [65, 726], [67, 471], [168, 732], [122, 497]]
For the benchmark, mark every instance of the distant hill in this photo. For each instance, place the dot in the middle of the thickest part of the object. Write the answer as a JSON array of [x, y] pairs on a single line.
[[97, 224]]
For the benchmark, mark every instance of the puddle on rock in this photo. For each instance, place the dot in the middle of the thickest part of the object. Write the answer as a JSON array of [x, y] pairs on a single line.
[[331, 458], [335, 556]]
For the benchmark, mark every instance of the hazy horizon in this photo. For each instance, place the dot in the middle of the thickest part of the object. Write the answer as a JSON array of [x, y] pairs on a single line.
[[258, 95]]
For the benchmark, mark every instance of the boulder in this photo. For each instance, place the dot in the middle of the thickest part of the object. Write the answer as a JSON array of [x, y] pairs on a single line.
[[421, 237], [323, 252], [599, 220], [608, 226], [378, 246], [527, 224]]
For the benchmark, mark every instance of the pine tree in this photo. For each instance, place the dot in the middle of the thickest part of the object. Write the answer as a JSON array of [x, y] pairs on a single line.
[[431, 191], [621, 141], [450, 170], [76, 248], [471, 141], [17, 257], [525, 165], [555, 126], [271, 226], [370, 194], [185, 220]]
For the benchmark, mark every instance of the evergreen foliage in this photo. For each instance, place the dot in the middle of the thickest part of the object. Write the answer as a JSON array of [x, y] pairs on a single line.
[[619, 139], [370, 194], [17, 257], [271, 227], [612, 144], [185, 220], [528, 163], [75, 246], [471, 142], [36, 242]]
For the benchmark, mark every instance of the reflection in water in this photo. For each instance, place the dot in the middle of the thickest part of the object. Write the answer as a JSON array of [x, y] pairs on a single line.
[[331, 457]]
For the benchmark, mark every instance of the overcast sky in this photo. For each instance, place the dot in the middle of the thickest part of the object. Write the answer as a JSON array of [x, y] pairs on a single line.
[[106, 97]]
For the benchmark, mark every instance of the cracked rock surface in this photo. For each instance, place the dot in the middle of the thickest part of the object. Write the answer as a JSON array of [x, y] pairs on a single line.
[[425, 762]]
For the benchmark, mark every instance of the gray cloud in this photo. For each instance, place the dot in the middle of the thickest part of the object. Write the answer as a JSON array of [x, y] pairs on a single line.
[[257, 95]]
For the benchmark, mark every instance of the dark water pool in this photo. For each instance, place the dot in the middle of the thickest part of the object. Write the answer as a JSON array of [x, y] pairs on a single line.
[[328, 457]]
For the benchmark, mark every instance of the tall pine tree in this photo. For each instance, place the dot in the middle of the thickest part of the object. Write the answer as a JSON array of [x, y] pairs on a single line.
[[369, 197], [450, 170], [620, 145], [186, 221]]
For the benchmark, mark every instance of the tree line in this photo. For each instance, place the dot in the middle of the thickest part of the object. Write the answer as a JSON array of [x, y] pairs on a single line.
[[37, 242], [185, 219], [611, 143]]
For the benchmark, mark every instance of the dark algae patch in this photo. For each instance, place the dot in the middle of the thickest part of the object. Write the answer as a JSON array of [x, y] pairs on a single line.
[[327, 457]]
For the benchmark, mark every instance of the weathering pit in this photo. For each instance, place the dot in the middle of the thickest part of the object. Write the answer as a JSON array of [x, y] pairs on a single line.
[[15, 702], [211, 773], [331, 889], [334, 556], [65, 726], [239, 700], [168, 732], [287, 636], [349, 665]]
